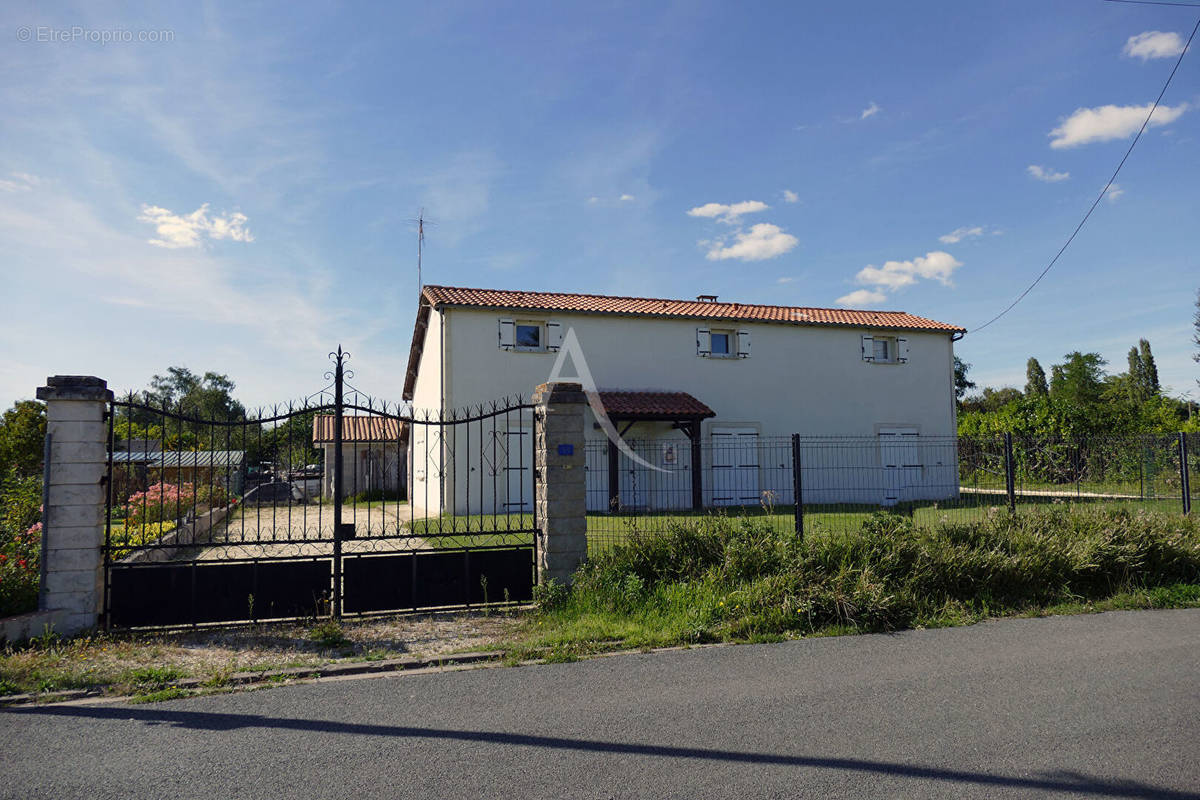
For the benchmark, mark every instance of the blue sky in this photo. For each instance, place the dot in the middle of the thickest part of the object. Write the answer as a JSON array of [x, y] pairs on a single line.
[[230, 189]]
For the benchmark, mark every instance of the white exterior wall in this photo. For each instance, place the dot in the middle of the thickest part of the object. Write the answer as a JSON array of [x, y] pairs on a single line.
[[424, 489], [809, 380]]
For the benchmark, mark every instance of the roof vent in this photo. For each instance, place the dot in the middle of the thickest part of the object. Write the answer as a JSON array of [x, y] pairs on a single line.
[[706, 298]]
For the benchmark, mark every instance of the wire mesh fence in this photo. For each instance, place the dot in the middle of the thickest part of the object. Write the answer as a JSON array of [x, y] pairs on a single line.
[[645, 487]]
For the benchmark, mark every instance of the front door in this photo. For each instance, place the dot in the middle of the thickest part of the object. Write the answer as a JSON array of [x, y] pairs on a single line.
[[734, 466]]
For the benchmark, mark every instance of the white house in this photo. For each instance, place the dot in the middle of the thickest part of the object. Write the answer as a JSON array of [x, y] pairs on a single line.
[[692, 381]]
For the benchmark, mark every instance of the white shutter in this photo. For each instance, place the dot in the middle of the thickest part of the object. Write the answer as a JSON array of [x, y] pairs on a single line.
[[902, 350], [554, 335], [868, 348], [508, 330], [703, 342], [743, 344]]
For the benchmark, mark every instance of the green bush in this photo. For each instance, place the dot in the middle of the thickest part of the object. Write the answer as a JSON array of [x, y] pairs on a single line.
[[724, 578], [20, 543]]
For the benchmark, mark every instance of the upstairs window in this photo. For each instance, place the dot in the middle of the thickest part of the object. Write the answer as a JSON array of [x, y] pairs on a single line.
[[722, 343], [529, 336], [885, 349]]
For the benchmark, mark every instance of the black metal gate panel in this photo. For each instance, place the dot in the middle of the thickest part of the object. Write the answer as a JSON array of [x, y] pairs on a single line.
[[336, 505]]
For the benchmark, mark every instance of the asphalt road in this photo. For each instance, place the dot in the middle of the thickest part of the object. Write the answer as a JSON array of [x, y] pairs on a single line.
[[1089, 706]]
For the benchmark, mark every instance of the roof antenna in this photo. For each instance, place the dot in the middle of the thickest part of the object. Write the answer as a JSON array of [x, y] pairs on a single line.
[[420, 222]]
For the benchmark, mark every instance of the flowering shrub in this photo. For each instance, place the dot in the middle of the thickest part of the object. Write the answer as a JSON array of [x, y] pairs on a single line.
[[20, 544], [122, 540], [161, 501]]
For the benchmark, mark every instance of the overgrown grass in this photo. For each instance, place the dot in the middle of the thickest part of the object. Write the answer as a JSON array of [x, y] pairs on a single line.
[[724, 579]]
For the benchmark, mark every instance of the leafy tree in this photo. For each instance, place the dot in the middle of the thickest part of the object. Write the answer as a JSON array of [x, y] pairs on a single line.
[[206, 397], [1196, 335], [1149, 369], [1080, 379], [1134, 381], [961, 382], [22, 437], [1035, 379], [991, 400]]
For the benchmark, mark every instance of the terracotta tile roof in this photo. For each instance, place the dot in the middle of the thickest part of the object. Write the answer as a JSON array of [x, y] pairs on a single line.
[[692, 309], [356, 429], [654, 405]]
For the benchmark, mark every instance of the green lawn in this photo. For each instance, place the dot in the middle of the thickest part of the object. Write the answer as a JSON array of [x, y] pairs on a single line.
[[608, 530]]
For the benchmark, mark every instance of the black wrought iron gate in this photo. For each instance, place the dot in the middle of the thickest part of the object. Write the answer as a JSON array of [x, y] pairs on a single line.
[[337, 505]]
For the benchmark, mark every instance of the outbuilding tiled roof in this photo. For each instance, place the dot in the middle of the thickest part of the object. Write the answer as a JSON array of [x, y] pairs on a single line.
[[356, 429], [653, 406], [691, 309]]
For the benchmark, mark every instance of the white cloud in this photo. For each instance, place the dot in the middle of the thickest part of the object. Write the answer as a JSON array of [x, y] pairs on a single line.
[[861, 297], [1046, 173], [177, 231], [869, 111], [627, 198], [1153, 44], [790, 197], [958, 234], [1114, 192], [937, 265], [786, 279], [761, 242], [21, 182], [593, 200], [728, 213], [1104, 123]]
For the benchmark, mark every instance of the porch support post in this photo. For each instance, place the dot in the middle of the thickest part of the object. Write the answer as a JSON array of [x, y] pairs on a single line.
[[693, 432], [559, 480], [72, 592]]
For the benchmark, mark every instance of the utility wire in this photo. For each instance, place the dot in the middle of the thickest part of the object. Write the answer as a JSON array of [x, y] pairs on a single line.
[[1155, 3], [1103, 191]]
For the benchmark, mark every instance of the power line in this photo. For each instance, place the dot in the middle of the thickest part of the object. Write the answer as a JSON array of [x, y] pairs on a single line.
[[1103, 191], [1155, 3]]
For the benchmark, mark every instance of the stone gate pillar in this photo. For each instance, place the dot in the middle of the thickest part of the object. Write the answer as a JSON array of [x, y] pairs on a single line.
[[559, 479], [73, 516]]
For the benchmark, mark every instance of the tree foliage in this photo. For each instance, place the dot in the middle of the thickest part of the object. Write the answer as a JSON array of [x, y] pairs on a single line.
[[961, 382], [1035, 379], [1081, 401], [22, 434]]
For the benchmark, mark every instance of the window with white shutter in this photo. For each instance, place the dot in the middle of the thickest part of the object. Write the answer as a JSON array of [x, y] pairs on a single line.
[[703, 342], [554, 335], [743, 344], [885, 349], [507, 333]]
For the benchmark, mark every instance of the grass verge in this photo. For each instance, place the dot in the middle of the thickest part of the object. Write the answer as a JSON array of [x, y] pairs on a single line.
[[744, 580], [158, 666]]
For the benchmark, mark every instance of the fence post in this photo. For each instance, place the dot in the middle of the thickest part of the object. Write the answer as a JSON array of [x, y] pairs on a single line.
[[1184, 490], [72, 592], [797, 486], [1010, 479], [559, 479]]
